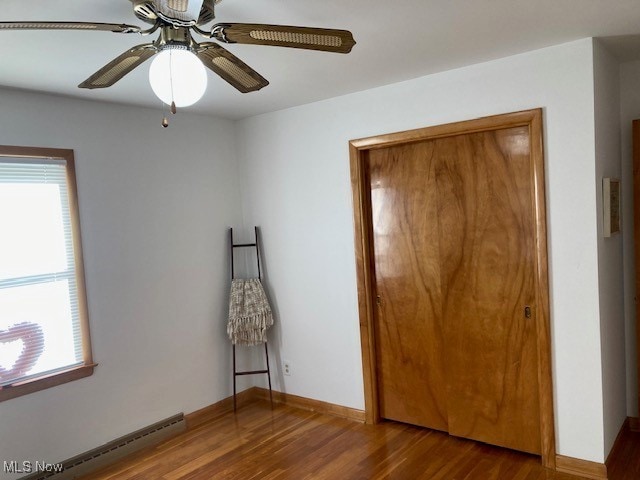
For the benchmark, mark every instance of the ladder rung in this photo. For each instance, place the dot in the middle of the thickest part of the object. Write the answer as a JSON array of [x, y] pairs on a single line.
[[253, 372], [244, 245]]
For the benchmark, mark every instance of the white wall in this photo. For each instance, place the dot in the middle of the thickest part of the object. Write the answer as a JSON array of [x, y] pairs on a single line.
[[296, 186], [629, 111], [154, 207], [610, 264]]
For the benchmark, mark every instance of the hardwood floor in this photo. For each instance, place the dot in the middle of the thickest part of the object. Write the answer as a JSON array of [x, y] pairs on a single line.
[[259, 443], [624, 463]]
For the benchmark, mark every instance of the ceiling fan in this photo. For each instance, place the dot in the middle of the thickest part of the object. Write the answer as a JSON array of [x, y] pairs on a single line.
[[176, 20]]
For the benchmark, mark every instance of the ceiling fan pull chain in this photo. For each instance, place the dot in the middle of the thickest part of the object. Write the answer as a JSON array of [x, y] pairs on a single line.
[[173, 102], [165, 120]]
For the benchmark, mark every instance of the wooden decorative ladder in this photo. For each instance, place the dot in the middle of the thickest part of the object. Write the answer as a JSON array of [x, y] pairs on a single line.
[[236, 373]]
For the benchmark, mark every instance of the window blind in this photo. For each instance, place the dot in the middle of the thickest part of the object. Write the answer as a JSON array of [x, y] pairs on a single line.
[[40, 329]]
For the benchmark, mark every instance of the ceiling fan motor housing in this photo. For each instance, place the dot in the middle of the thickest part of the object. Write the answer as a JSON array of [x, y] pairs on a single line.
[[175, 12]]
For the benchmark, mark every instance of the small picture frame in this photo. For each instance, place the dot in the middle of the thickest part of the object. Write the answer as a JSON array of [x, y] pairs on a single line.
[[611, 204]]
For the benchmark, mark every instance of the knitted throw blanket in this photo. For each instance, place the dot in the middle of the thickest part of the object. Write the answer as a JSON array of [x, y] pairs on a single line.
[[249, 313]]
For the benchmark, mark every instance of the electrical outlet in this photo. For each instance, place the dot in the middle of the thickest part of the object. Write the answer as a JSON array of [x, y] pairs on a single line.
[[286, 367]]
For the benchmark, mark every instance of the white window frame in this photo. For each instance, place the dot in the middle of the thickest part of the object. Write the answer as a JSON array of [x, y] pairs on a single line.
[[51, 379]]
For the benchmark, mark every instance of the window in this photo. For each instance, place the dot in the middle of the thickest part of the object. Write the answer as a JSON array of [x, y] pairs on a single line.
[[44, 335]]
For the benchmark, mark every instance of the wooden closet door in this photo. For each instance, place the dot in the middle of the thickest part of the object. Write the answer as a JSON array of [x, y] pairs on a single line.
[[454, 261], [487, 268], [408, 320]]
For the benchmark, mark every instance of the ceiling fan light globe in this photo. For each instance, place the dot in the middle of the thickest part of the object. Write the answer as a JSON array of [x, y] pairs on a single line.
[[177, 75]]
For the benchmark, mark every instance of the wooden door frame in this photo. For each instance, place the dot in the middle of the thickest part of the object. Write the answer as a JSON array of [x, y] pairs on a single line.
[[635, 422], [359, 154]]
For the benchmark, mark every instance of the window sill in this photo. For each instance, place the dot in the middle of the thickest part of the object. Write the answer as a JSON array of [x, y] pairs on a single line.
[[48, 381]]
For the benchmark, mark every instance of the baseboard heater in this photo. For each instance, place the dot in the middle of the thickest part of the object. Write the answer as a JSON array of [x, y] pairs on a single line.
[[109, 453]]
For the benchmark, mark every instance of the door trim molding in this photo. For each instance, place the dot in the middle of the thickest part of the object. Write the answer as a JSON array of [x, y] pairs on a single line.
[[636, 237], [359, 154]]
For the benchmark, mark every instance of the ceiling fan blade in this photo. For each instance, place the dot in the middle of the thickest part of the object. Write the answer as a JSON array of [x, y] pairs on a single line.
[[208, 12], [325, 39], [104, 27], [119, 67], [230, 68]]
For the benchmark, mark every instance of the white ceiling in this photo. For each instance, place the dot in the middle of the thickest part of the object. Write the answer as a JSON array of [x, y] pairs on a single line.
[[396, 40]]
